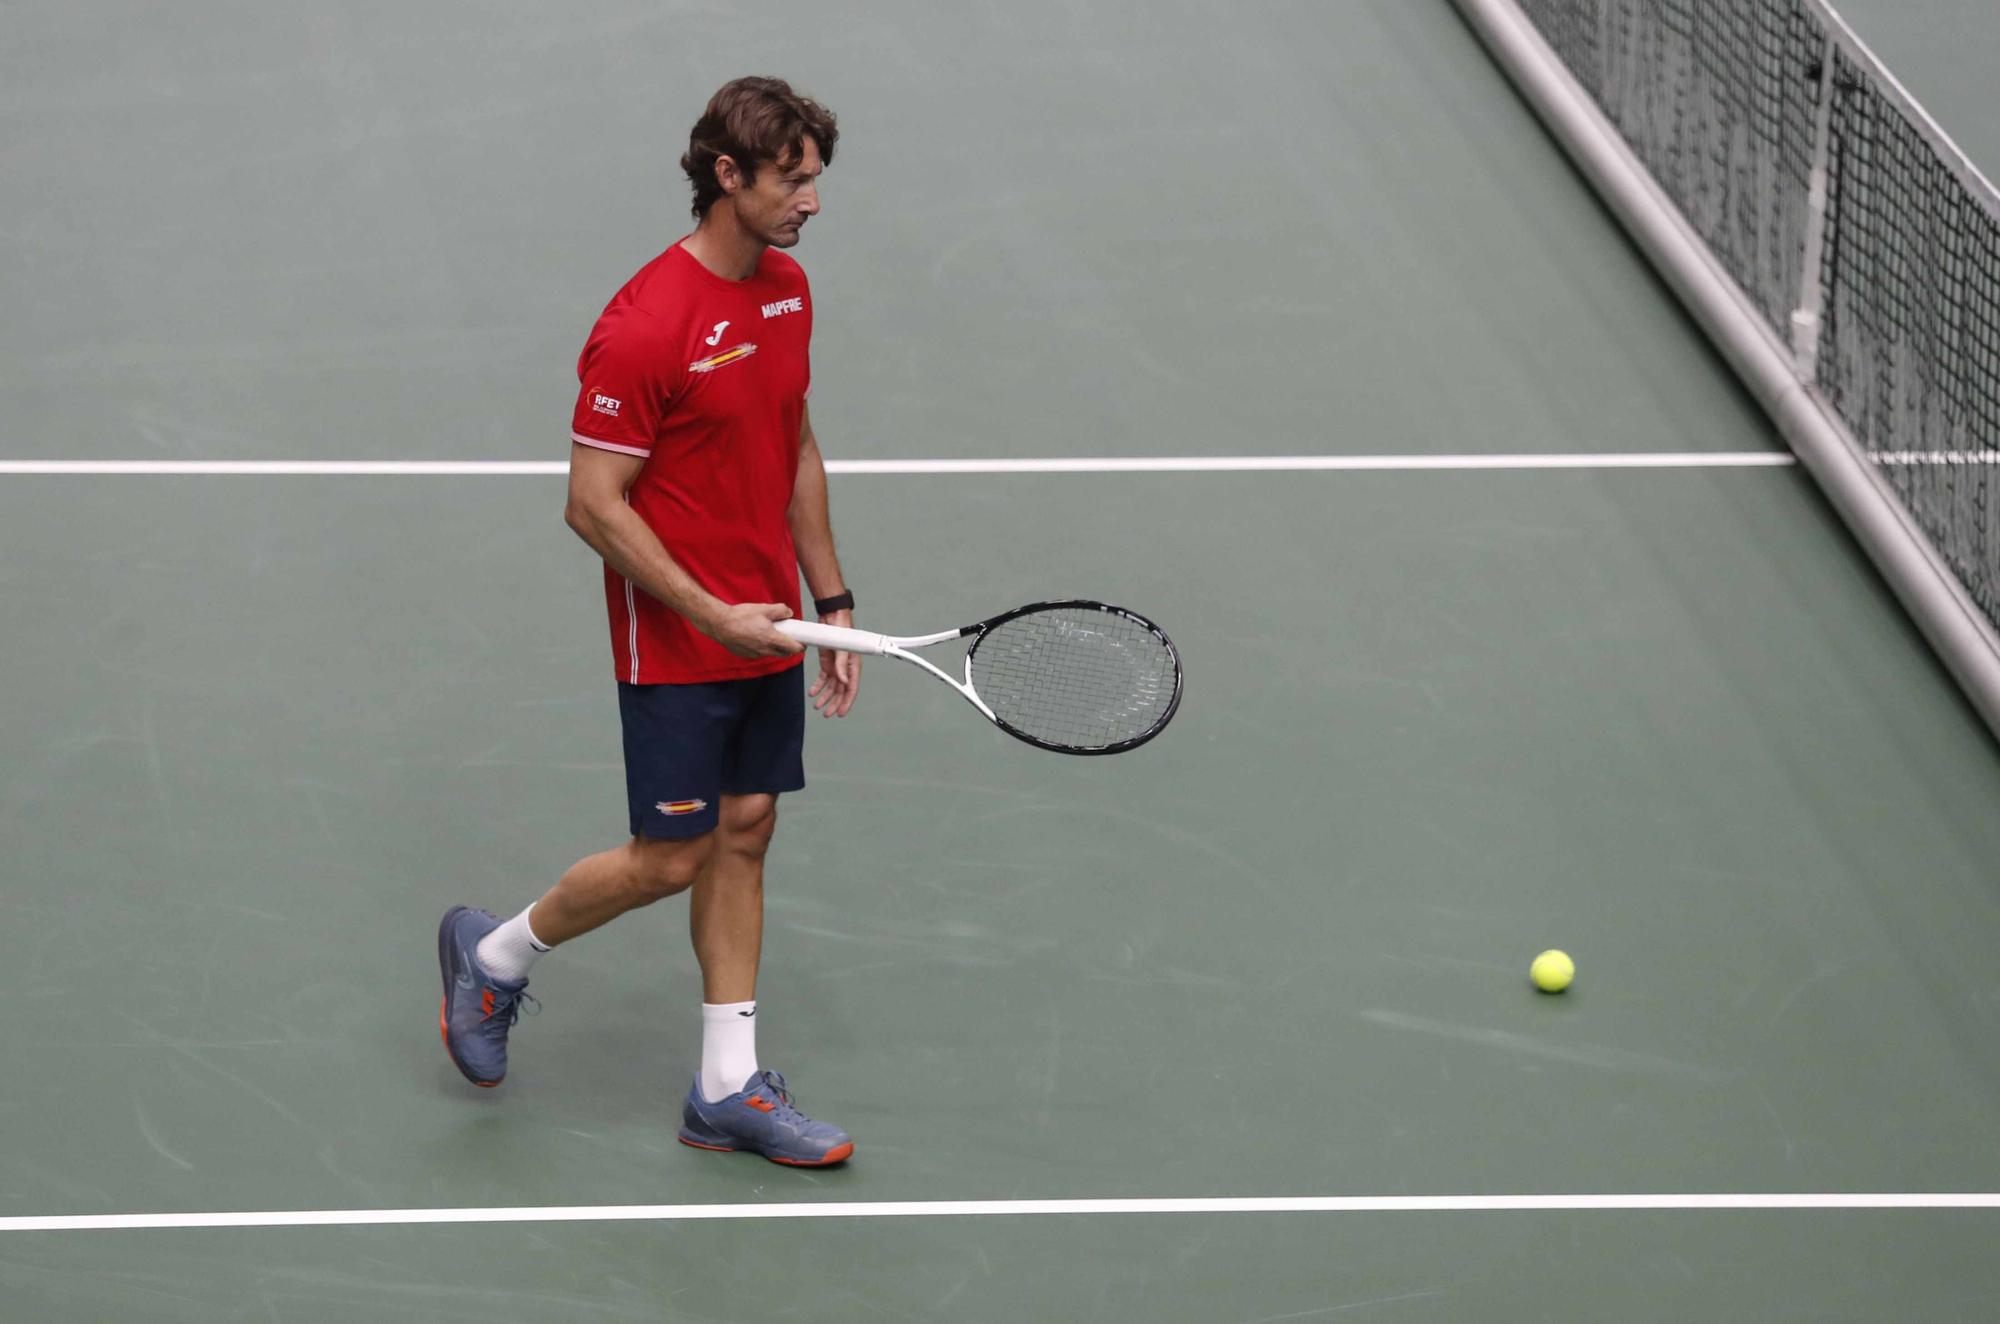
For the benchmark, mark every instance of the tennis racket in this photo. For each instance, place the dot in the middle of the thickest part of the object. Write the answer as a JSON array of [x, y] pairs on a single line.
[[1075, 677]]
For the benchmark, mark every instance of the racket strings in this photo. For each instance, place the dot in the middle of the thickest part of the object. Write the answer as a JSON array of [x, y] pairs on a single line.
[[1076, 677]]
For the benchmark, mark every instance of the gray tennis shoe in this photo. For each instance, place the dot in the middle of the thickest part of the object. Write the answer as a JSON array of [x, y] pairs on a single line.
[[478, 1009], [760, 1118]]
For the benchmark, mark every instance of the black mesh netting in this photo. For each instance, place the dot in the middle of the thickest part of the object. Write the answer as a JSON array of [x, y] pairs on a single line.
[[1910, 338], [1717, 98]]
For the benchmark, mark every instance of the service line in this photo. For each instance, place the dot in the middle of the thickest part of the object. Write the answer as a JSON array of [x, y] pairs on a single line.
[[1163, 464]]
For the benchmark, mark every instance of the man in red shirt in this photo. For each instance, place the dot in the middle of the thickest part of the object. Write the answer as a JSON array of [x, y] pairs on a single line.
[[694, 473]]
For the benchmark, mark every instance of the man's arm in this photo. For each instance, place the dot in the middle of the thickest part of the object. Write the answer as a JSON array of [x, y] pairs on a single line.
[[812, 538], [597, 510], [812, 527]]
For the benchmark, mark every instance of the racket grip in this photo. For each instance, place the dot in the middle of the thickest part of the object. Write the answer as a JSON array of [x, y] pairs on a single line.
[[835, 636]]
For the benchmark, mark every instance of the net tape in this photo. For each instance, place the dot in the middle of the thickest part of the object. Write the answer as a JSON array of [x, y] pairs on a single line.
[[1719, 100], [1075, 676]]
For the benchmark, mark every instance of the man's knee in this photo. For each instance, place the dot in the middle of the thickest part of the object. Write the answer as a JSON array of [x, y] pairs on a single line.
[[747, 824], [667, 868]]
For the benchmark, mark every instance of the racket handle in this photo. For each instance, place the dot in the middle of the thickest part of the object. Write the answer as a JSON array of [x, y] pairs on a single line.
[[835, 636]]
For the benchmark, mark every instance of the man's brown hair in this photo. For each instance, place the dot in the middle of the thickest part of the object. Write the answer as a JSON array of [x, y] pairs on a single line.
[[754, 122]]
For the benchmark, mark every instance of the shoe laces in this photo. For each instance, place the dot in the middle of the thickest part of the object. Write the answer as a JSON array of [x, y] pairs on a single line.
[[508, 1007], [785, 1110]]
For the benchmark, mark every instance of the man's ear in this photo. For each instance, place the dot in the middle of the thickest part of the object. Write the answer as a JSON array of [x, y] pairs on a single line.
[[727, 175]]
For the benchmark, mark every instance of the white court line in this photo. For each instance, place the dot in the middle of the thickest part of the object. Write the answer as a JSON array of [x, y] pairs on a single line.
[[1307, 1204], [1101, 464], [1331, 463]]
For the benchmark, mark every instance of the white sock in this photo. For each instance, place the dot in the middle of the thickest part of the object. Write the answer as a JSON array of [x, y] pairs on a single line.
[[728, 1048], [509, 950]]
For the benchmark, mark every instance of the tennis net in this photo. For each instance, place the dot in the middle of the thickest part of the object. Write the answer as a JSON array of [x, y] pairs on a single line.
[[1861, 235]]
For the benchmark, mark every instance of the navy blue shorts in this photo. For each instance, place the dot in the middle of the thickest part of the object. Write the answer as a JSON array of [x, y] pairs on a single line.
[[686, 746]]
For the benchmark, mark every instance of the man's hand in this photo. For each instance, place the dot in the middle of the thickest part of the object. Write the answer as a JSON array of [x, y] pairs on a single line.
[[747, 630], [839, 673]]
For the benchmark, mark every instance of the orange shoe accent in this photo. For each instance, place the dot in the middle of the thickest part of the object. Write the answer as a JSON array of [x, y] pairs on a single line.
[[838, 1154], [486, 1001], [713, 1149], [761, 1105], [444, 1033]]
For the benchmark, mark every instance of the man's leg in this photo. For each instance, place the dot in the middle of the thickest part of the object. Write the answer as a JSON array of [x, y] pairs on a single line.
[[483, 987], [726, 913], [599, 888], [733, 1104], [726, 922]]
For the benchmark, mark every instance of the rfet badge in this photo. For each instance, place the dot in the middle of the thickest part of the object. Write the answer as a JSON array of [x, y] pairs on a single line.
[[675, 808]]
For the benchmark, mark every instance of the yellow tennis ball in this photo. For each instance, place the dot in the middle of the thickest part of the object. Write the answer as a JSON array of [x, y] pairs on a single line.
[[1552, 971]]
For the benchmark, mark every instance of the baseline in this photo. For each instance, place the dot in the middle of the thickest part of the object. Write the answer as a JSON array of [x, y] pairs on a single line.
[[1307, 1204]]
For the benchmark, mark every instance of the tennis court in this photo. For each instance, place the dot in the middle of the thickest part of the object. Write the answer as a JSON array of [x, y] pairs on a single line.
[[1538, 639]]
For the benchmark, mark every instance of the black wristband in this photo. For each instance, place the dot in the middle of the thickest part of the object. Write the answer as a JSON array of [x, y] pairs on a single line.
[[841, 601]]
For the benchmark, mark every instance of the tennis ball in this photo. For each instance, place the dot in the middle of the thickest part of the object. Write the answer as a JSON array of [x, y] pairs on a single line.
[[1552, 971]]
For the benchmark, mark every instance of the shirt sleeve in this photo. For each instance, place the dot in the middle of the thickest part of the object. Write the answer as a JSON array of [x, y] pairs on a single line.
[[627, 376]]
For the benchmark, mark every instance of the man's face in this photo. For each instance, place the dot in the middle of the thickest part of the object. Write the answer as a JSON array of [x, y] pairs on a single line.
[[775, 204]]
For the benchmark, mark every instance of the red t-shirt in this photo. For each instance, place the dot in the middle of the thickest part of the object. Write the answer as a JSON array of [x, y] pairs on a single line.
[[707, 379]]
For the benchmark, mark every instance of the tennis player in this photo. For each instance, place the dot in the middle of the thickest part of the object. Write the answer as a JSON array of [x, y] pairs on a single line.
[[694, 473]]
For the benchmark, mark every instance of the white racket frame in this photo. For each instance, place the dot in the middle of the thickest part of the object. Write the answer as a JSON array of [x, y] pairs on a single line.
[[842, 639]]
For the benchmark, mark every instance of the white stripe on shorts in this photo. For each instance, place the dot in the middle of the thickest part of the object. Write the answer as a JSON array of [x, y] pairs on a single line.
[[632, 628]]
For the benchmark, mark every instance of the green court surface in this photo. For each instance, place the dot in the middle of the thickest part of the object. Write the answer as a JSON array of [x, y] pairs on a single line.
[[372, 233], [261, 731], [1435, 722], [1258, 1267]]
